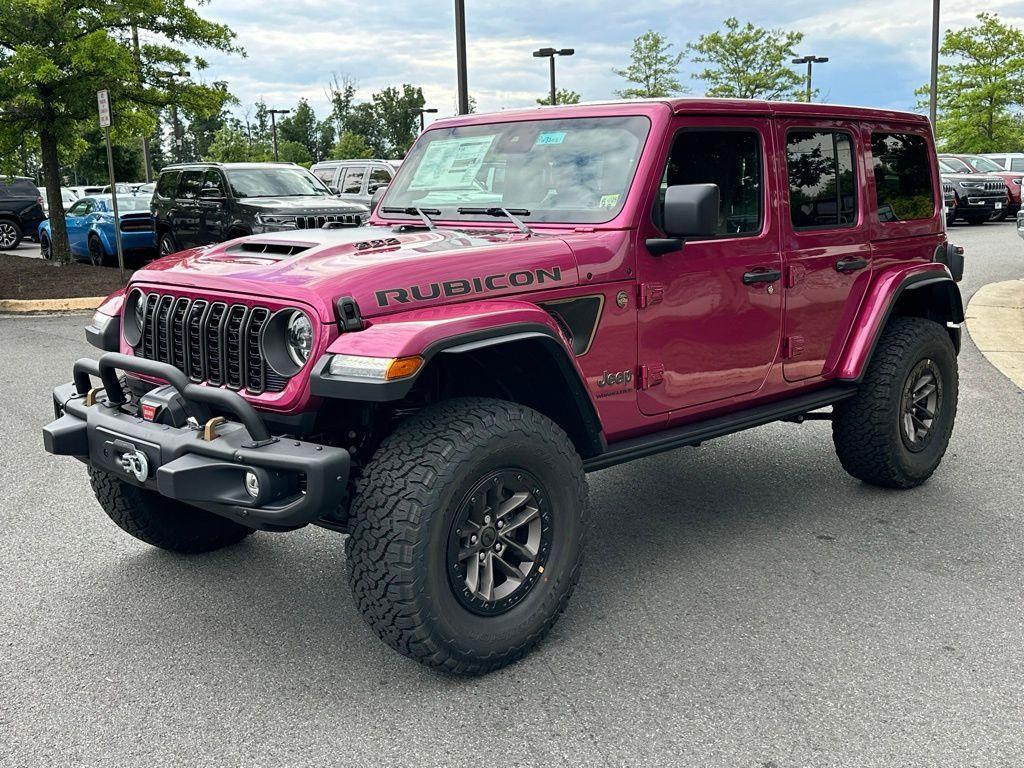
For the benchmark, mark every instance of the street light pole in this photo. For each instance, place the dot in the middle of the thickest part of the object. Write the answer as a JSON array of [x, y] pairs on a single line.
[[550, 53], [810, 61], [460, 56], [421, 111], [933, 91], [273, 126]]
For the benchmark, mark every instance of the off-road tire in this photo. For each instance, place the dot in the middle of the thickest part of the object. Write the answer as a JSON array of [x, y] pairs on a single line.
[[160, 521], [867, 427], [402, 517]]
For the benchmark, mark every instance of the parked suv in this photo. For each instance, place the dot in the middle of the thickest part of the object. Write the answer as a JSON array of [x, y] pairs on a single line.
[[640, 277], [978, 197], [979, 164], [203, 203], [21, 210], [356, 180]]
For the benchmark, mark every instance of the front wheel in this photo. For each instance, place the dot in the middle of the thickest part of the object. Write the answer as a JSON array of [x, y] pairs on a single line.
[[45, 247], [467, 534], [167, 244], [97, 254], [10, 235], [162, 522], [894, 431]]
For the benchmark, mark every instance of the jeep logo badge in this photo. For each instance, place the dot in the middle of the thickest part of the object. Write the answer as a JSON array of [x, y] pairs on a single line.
[[609, 379]]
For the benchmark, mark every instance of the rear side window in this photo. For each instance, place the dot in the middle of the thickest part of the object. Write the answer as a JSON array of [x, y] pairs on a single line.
[[378, 178], [326, 175], [903, 177], [729, 158], [998, 160], [1017, 163], [167, 183], [822, 184], [191, 183], [353, 183]]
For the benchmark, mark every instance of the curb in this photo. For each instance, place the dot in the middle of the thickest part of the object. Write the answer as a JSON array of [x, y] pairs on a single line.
[[995, 320], [20, 306]]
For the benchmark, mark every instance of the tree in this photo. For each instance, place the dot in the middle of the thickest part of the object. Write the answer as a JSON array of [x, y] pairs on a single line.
[[981, 89], [231, 145], [301, 127], [748, 62], [294, 152], [351, 146], [653, 68], [564, 96], [55, 56]]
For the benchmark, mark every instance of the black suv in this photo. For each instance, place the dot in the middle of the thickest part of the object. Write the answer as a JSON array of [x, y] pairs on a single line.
[[21, 211], [203, 203]]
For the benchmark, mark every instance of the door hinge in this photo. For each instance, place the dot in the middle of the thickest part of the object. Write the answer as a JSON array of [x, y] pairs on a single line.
[[650, 293], [792, 346], [651, 375]]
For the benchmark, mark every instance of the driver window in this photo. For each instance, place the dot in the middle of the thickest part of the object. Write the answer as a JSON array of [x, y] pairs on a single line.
[[729, 158], [81, 208], [213, 180]]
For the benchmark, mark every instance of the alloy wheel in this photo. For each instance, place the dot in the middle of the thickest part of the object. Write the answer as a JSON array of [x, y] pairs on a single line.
[[167, 246], [920, 405], [499, 541], [44, 248], [96, 255], [8, 235]]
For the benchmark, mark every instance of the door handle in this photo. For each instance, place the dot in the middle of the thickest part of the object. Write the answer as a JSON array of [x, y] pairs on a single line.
[[851, 265], [761, 276]]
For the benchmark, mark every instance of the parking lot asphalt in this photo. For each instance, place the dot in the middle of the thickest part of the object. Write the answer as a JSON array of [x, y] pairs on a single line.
[[745, 603]]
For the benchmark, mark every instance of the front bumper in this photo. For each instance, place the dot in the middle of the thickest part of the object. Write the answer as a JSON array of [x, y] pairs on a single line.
[[298, 481], [972, 206]]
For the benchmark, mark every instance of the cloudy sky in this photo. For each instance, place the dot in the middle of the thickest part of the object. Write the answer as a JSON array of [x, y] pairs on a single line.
[[879, 49]]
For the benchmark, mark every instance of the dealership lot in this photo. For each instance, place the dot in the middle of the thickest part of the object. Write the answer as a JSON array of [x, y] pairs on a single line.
[[743, 604]]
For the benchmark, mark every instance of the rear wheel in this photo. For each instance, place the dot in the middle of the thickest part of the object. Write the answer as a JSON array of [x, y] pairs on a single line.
[[467, 534], [10, 235], [167, 244], [160, 521], [895, 430], [97, 254]]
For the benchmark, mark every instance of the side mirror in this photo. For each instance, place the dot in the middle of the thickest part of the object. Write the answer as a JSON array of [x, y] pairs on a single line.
[[378, 195], [334, 190], [691, 210], [210, 193]]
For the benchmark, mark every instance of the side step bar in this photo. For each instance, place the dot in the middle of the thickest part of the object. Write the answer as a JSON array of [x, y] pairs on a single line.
[[698, 432]]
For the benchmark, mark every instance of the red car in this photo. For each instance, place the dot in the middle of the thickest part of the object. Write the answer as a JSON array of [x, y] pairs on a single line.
[[539, 294], [979, 164]]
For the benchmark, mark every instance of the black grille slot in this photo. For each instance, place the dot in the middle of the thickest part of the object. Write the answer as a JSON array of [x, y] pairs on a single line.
[[213, 343]]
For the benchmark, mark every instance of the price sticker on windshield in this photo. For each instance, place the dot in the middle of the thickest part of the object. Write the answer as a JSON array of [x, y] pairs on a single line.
[[551, 137]]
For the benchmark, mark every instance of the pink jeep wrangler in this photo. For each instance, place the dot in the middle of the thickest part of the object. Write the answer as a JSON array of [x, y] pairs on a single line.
[[539, 294]]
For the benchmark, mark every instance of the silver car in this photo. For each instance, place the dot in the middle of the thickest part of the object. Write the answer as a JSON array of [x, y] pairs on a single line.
[[355, 181]]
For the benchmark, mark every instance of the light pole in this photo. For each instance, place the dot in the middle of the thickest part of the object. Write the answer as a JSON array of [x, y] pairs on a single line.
[[460, 55], [422, 111], [933, 91], [810, 61], [273, 126], [550, 53]]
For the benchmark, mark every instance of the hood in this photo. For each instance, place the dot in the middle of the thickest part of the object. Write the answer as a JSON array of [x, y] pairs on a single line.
[[956, 178], [311, 204], [382, 269]]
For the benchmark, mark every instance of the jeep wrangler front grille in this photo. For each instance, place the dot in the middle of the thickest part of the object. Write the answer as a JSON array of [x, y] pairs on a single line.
[[210, 342]]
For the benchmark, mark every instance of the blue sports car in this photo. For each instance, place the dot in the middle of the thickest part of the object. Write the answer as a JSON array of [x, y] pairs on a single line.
[[90, 225]]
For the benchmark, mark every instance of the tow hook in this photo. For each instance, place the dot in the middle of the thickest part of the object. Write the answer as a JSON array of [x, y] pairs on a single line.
[[136, 464]]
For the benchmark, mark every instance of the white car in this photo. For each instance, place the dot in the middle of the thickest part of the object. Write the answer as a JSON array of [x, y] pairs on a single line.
[[1008, 161], [67, 196]]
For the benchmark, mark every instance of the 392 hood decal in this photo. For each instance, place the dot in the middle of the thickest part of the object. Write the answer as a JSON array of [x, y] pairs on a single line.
[[468, 286]]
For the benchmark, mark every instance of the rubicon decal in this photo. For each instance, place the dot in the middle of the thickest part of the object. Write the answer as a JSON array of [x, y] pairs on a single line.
[[468, 286]]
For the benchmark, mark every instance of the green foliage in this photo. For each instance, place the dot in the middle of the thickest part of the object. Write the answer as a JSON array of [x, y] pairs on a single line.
[[653, 68], [563, 96], [981, 89], [294, 152], [91, 165], [55, 55], [351, 146], [748, 62], [302, 127], [231, 145]]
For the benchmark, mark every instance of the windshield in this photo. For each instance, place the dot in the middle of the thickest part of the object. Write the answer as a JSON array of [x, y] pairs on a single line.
[[957, 165], [945, 167], [569, 170], [275, 182], [985, 165]]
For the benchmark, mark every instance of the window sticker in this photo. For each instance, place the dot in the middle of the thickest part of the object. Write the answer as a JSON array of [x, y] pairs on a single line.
[[451, 163], [551, 137], [609, 201]]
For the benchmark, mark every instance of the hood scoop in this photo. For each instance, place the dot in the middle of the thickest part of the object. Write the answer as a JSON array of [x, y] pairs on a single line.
[[256, 248]]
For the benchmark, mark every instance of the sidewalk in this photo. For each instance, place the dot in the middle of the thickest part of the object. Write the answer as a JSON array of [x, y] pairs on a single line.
[[995, 320]]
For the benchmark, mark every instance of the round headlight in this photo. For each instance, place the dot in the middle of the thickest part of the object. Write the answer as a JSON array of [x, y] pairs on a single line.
[[134, 317], [299, 338]]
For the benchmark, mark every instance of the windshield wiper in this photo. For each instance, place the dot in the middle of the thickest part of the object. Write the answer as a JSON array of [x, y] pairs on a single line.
[[423, 213], [511, 214]]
